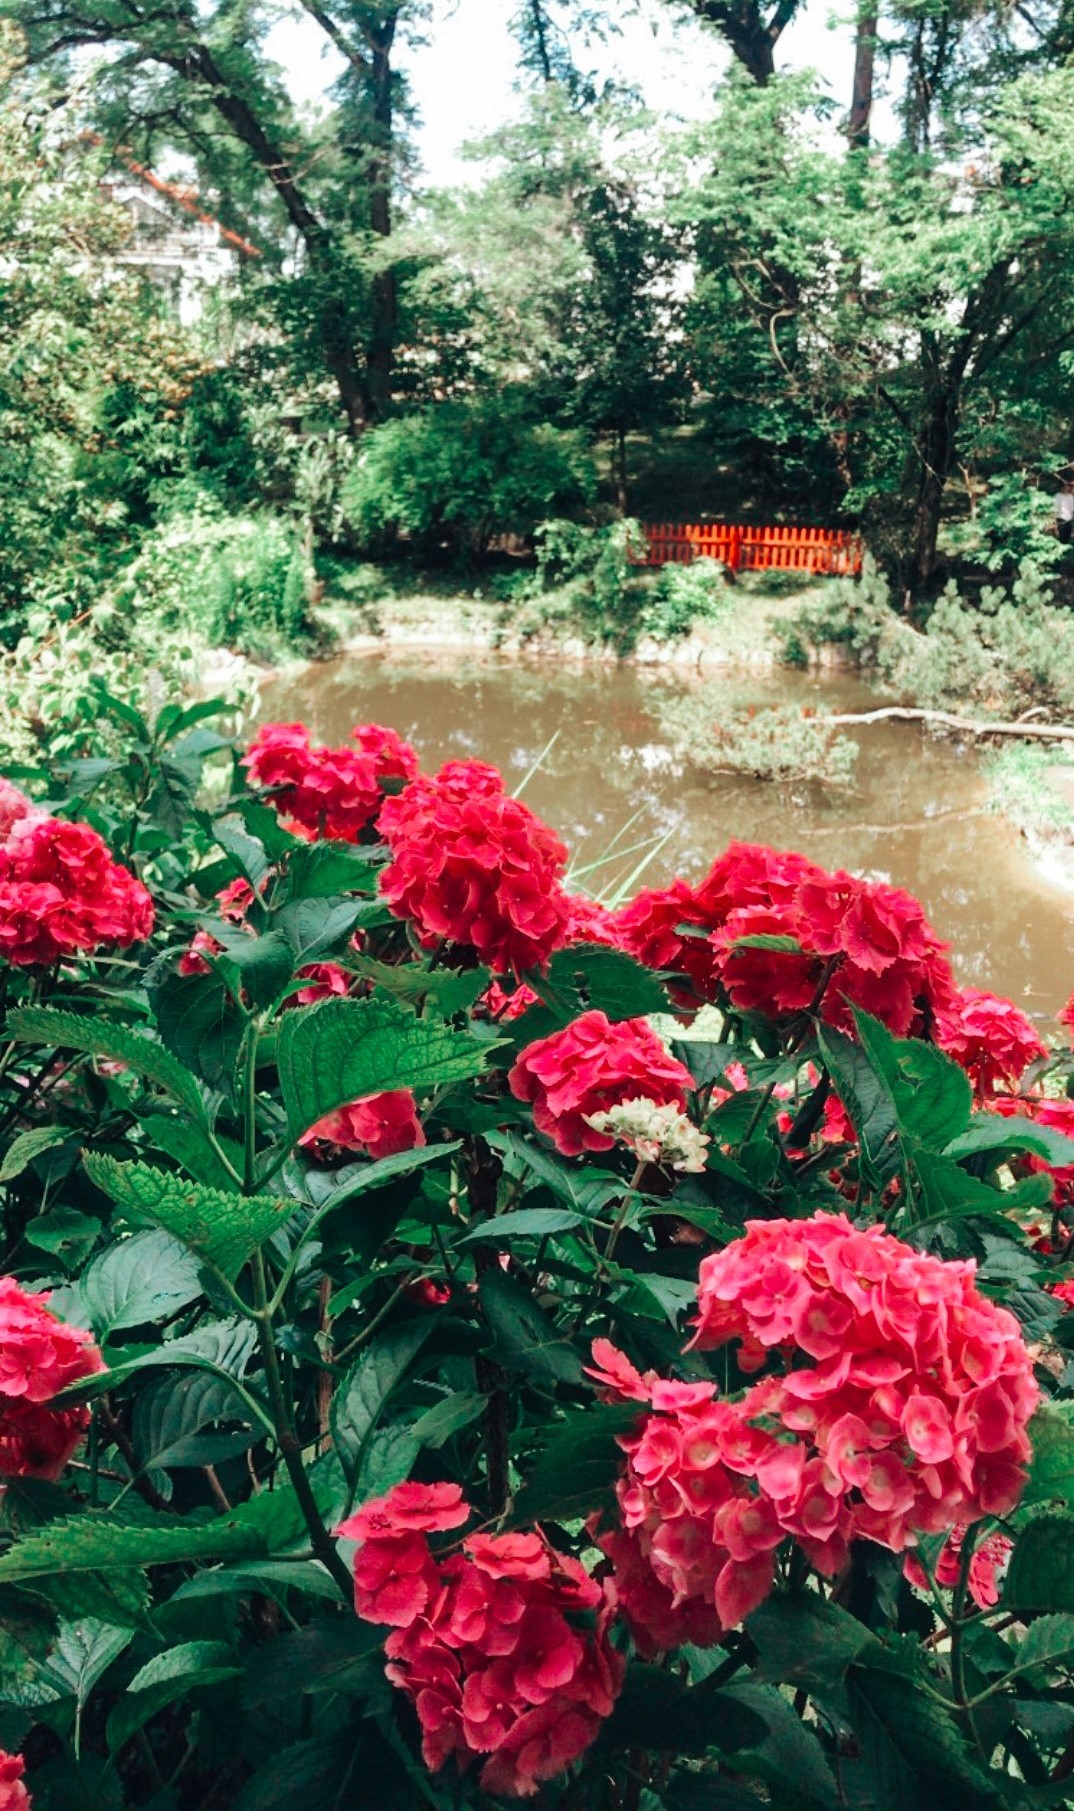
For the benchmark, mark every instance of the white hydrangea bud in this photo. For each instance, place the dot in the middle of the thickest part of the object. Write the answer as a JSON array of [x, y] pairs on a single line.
[[655, 1133]]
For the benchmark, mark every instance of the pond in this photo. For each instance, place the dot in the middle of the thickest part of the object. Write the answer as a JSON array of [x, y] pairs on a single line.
[[917, 815]]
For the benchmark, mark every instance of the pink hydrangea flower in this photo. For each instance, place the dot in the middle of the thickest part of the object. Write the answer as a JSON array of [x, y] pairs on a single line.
[[39, 1356], [590, 1066], [381, 1124], [13, 1793], [860, 943], [990, 1558], [61, 893], [14, 807], [485, 1641], [990, 1037], [332, 792], [919, 1390], [475, 868]]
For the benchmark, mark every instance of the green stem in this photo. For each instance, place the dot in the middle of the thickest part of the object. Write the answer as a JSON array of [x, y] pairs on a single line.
[[620, 1220], [250, 1114], [758, 1111], [958, 1625], [223, 1157], [371, 1326], [287, 1440]]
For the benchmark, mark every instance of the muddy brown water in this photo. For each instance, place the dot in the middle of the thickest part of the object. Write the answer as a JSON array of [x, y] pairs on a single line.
[[916, 815]]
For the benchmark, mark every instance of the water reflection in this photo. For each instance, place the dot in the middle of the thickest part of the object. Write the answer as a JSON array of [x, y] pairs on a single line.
[[915, 817]]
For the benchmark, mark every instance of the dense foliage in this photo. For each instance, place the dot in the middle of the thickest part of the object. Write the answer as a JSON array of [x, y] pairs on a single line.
[[619, 316], [460, 1342]]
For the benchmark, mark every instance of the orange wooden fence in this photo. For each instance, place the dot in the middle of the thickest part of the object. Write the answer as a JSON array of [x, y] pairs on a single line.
[[751, 549]]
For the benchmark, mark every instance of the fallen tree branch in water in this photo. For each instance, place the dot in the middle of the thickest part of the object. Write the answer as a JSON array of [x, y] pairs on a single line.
[[969, 726]]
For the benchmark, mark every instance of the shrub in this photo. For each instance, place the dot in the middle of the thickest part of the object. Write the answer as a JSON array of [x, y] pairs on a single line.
[[51, 682], [460, 474], [1011, 651], [684, 595], [775, 742], [342, 1406], [238, 582]]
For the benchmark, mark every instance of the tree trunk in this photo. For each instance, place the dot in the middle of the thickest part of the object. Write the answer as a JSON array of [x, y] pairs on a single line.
[[540, 40], [622, 478], [198, 62], [380, 357], [752, 38], [861, 102], [936, 452]]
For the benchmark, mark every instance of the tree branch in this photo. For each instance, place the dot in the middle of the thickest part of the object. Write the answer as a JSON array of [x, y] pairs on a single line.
[[968, 726]]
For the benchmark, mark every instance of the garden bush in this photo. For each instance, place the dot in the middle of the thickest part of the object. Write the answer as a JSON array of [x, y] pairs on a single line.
[[461, 474], [424, 1382], [232, 581], [1008, 652]]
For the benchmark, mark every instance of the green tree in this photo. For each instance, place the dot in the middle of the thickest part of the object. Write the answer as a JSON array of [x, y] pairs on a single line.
[[902, 295], [93, 381], [316, 196], [562, 273]]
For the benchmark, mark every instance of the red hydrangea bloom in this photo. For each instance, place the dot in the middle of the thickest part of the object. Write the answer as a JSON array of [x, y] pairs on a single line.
[[322, 981], [475, 867], [503, 1647], [590, 922], [61, 892], [13, 1794], [763, 980], [914, 1406], [1066, 1014], [752, 874], [861, 943], [14, 807], [990, 1037], [650, 928], [509, 1002], [381, 1124], [39, 1356], [333, 792], [590, 1066], [694, 1551], [990, 1557]]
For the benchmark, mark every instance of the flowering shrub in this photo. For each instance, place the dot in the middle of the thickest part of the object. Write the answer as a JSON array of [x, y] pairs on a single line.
[[573, 1077], [472, 867], [461, 1344]]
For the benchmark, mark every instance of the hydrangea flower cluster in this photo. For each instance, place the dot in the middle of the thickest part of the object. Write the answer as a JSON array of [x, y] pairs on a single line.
[[859, 942], [693, 1552], [60, 891], [502, 1646], [990, 1038], [13, 1794], [919, 1389], [380, 1124], [332, 792], [474, 867], [655, 1134], [39, 1356], [590, 1067], [900, 1409]]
